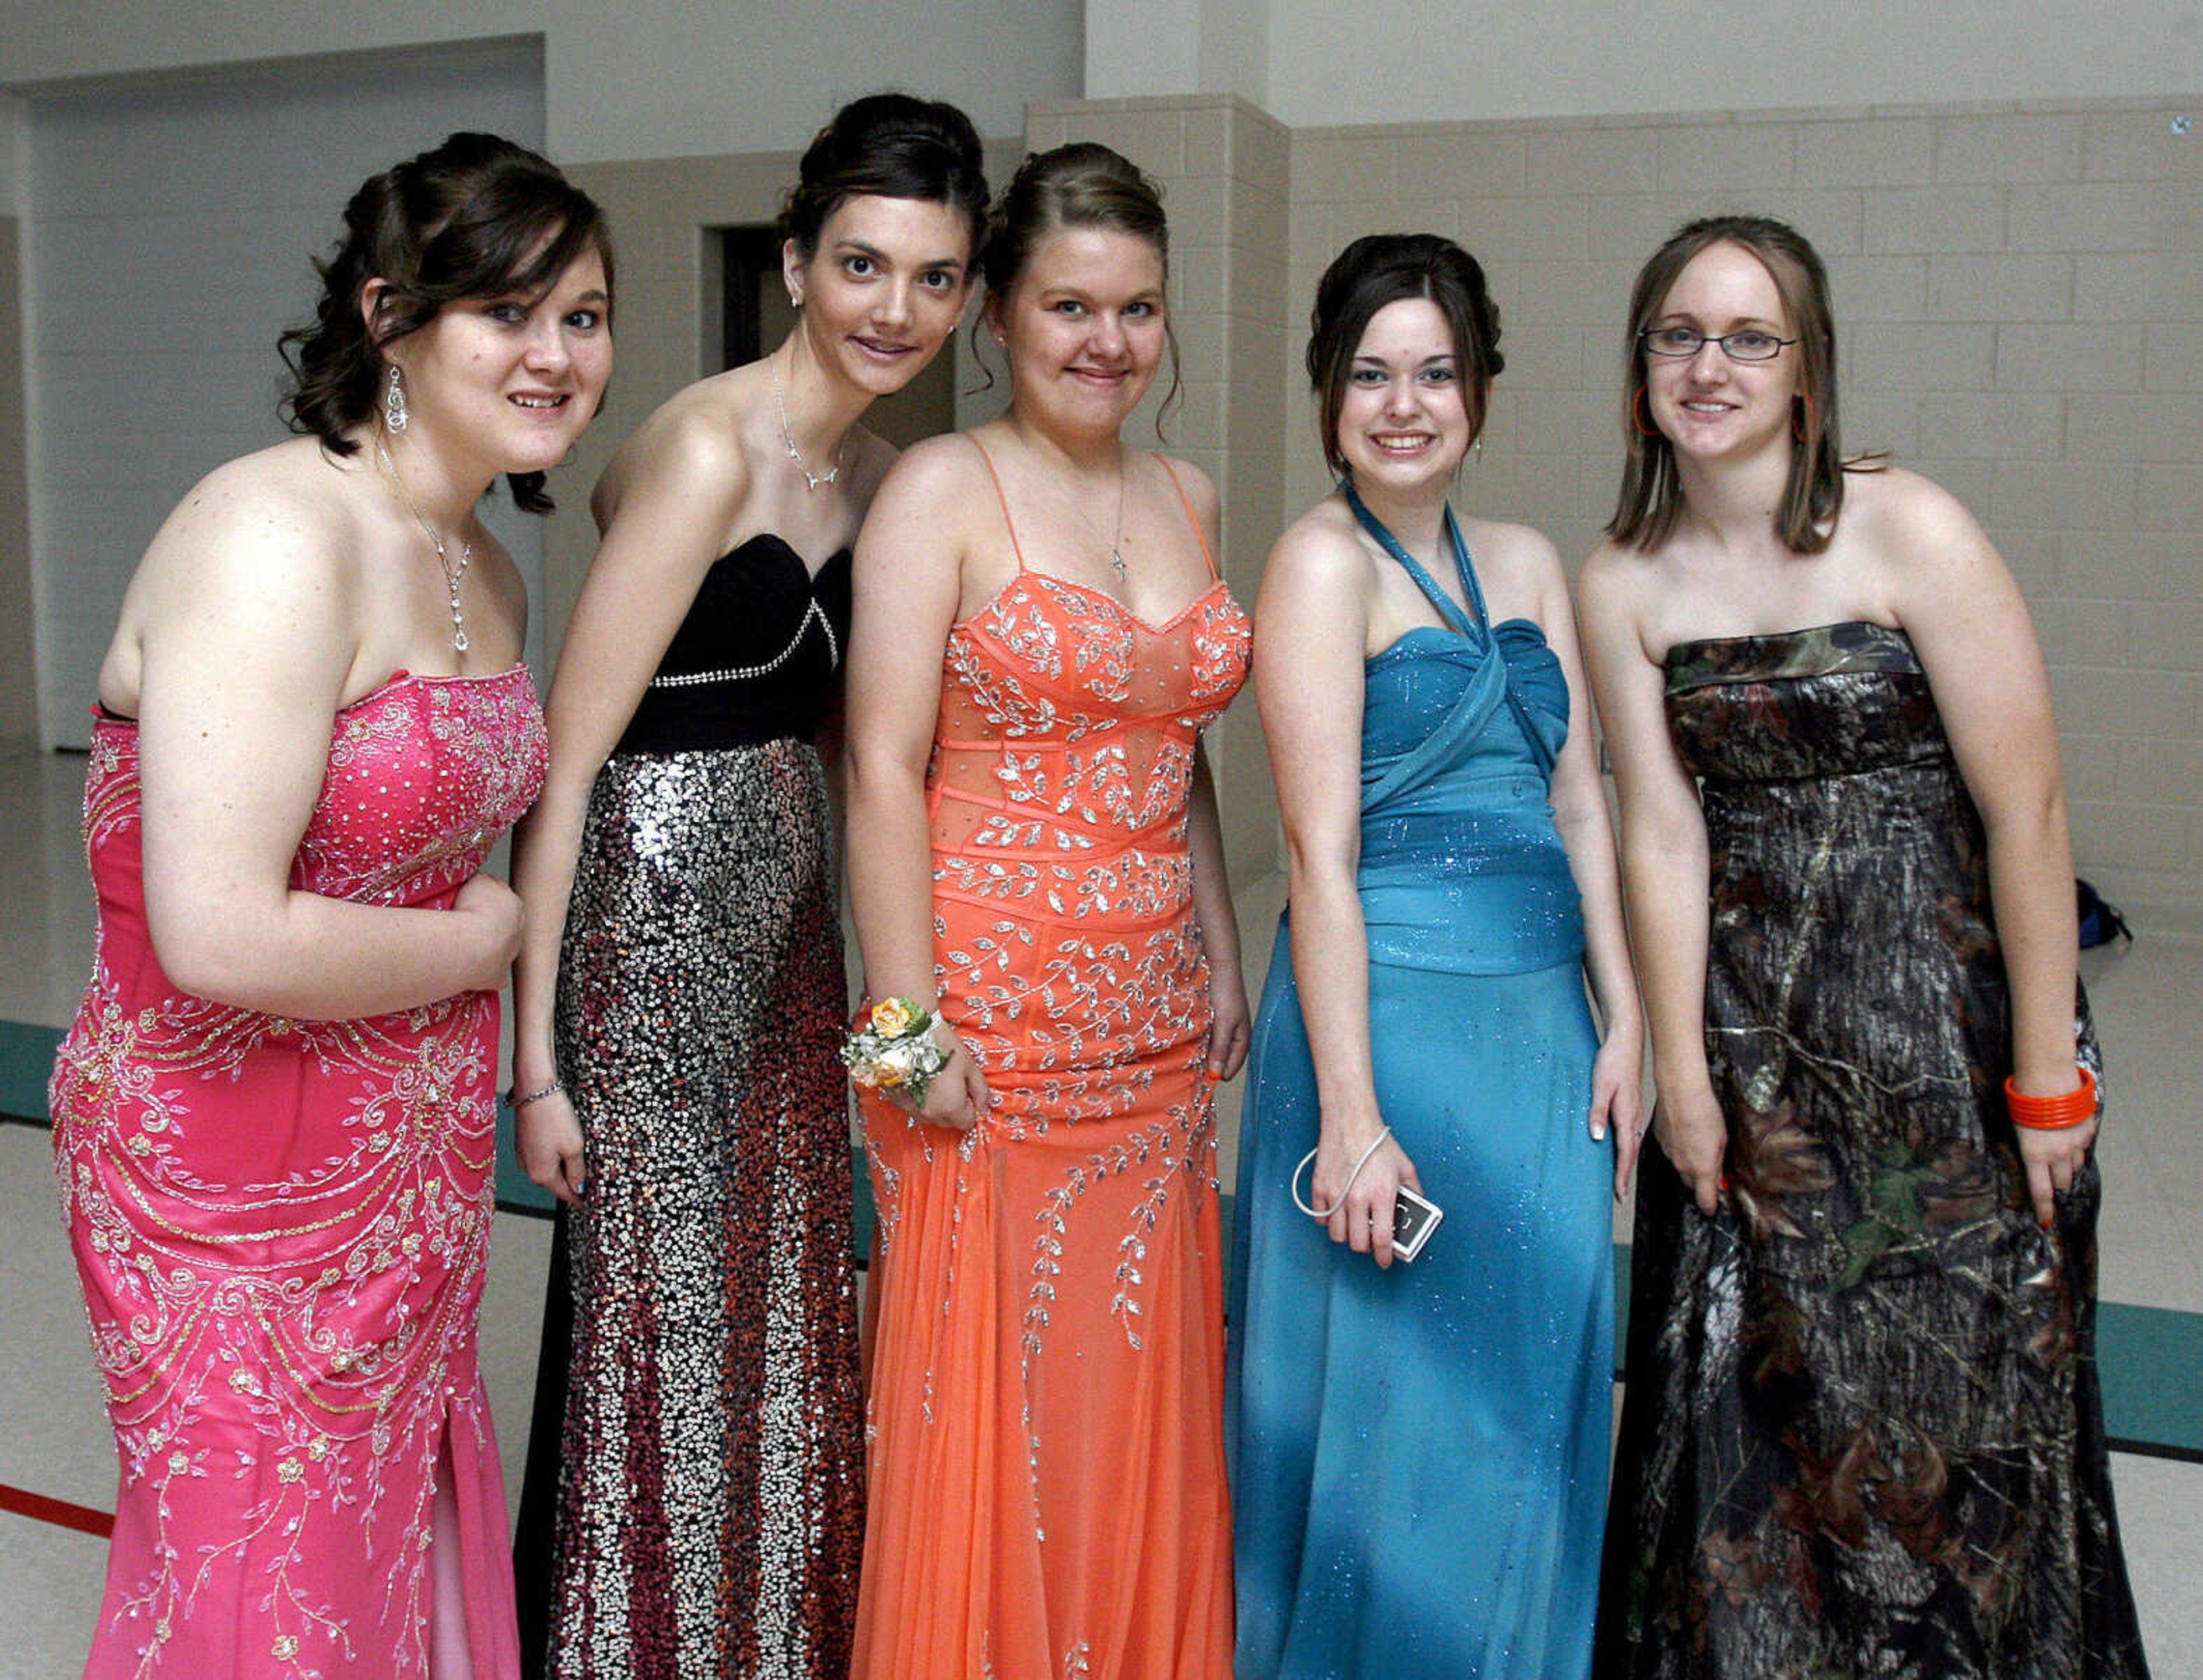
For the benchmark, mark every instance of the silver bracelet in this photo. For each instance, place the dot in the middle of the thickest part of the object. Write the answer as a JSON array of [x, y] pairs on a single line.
[[550, 1090]]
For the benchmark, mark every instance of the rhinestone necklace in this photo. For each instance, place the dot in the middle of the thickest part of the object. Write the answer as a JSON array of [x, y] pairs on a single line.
[[452, 573]]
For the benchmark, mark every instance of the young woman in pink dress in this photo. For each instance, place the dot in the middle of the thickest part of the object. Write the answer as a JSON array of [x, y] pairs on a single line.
[[274, 1117]]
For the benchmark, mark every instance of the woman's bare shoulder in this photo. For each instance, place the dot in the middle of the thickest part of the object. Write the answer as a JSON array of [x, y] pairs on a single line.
[[1503, 550], [292, 508], [691, 443], [1320, 554]]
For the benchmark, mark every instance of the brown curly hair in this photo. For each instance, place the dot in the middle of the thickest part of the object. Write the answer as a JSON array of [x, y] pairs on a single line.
[[475, 217]]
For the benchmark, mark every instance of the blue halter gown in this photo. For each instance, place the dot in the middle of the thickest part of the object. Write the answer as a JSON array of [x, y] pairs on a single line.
[[1419, 1456]]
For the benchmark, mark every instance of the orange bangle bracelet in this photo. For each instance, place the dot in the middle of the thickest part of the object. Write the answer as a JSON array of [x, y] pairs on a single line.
[[2052, 1114]]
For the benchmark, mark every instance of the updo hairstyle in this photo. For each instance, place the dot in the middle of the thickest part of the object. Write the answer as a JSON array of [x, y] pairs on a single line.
[[1381, 268], [1651, 495], [887, 145], [478, 217], [1080, 185]]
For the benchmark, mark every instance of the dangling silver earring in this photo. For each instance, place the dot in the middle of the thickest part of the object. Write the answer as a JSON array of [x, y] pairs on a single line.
[[394, 415]]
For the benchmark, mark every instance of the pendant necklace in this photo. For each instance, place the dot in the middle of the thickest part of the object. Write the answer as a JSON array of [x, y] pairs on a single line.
[[811, 479], [452, 573], [1117, 546]]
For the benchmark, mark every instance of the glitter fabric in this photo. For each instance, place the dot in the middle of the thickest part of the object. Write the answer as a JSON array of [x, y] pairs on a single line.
[[281, 1227], [710, 1497], [1419, 1454], [1046, 1466]]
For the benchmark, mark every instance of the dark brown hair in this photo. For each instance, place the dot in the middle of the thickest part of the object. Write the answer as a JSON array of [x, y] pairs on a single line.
[[477, 216], [1650, 496], [889, 145], [1082, 185], [1381, 268]]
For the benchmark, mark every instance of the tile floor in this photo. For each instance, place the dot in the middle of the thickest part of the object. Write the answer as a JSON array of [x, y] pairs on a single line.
[[54, 1442]]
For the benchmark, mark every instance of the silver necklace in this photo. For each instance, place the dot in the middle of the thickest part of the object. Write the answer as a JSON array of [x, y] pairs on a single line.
[[452, 573], [1116, 542], [811, 479]]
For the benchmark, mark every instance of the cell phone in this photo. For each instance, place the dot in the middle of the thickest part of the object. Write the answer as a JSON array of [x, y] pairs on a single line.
[[1415, 1217]]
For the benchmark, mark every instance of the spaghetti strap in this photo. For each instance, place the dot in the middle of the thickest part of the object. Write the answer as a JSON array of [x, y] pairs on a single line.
[[1186, 502], [1002, 497]]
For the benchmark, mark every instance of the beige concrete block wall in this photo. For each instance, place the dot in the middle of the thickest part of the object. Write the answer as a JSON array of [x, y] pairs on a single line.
[[18, 685], [2019, 294], [1223, 165]]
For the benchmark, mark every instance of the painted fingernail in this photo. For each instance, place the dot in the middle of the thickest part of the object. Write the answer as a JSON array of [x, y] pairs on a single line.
[[1213, 1075]]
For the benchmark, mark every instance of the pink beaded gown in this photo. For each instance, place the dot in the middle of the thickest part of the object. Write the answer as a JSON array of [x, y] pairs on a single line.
[[281, 1227]]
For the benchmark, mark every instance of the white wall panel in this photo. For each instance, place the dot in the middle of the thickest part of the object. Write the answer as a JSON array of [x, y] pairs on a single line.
[[172, 225], [663, 79]]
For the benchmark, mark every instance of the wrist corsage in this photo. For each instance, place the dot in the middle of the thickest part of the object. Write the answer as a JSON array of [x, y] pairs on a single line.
[[894, 1048]]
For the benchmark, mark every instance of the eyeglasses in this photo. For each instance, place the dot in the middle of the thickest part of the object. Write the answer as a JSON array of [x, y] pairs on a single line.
[[1750, 344]]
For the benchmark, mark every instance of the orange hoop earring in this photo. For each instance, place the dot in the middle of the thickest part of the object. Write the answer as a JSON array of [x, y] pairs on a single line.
[[1802, 428], [1641, 413]]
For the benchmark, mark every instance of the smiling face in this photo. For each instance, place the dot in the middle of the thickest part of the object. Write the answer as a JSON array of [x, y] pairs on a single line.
[[1085, 328], [887, 280], [1404, 420], [512, 380], [1711, 406]]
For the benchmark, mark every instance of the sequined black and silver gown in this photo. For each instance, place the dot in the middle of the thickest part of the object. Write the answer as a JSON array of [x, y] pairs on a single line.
[[1863, 1435], [710, 1516]]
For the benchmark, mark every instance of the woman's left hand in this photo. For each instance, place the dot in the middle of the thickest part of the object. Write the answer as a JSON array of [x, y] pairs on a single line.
[[2051, 1159], [1230, 1028], [1617, 1104]]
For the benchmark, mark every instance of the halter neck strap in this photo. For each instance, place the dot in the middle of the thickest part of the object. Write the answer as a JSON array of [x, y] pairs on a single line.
[[1478, 631], [1477, 620]]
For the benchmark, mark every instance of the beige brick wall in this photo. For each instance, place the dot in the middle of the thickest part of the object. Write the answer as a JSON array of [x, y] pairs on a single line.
[[2019, 293]]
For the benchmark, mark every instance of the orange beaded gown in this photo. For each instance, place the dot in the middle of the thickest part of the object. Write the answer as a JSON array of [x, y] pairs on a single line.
[[1046, 1463]]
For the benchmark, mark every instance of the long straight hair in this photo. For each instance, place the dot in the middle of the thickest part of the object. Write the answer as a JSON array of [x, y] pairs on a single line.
[[1652, 494]]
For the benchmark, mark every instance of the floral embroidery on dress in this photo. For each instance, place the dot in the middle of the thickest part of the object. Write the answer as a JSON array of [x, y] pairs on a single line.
[[1068, 1241], [282, 1226]]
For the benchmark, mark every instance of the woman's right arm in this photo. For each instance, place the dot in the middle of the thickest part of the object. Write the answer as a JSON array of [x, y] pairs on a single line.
[[244, 625], [1664, 867], [909, 584], [1311, 621], [682, 484]]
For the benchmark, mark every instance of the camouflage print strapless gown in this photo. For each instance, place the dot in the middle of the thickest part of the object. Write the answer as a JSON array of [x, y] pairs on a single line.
[[1863, 1435]]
